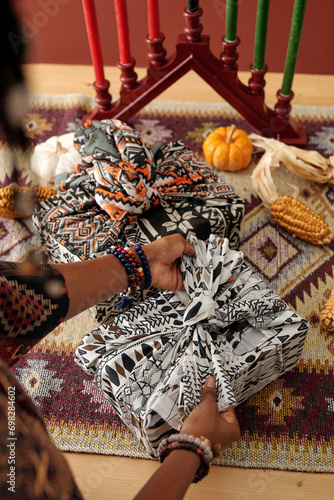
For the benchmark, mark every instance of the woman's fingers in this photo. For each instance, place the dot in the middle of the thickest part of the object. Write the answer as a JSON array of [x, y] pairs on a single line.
[[232, 432], [229, 414], [189, 249]]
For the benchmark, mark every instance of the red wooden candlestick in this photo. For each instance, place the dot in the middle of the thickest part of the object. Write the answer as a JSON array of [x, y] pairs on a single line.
[[257, 82], [156, 53], [193, 53], [193, 27], [94, 40], [283, 106], [229, 56], [153, 19], [123, 31]]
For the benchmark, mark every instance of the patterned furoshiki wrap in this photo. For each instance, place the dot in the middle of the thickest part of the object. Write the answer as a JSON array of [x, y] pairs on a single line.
[[152, 363], [123, 188]]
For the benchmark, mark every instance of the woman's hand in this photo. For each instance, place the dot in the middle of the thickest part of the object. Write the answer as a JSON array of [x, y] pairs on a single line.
[[205, 420], [164, 257], [172, 479]]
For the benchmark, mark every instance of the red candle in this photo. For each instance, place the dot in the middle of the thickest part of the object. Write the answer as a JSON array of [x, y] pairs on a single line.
[[123, 31], [94, 40], [153, 19]]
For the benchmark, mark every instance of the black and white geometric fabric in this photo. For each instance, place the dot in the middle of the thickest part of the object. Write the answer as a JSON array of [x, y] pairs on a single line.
[[152, 363]]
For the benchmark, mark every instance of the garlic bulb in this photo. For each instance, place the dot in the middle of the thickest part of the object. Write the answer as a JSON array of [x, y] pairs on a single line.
[[55, 156]]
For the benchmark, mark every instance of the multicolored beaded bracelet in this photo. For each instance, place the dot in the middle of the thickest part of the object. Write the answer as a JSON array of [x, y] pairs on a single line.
[[138, 271], [130, 260], [144, 262], [126, 298], [188, 442]]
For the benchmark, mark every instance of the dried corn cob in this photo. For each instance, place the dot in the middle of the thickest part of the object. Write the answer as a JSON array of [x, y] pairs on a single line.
[[16, 202], [300, 220], [327, 314]]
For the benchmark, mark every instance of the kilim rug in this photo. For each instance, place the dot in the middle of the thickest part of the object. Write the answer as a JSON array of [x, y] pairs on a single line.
[[289, 424]]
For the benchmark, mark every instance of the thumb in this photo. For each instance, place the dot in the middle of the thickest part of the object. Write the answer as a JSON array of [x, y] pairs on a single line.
[[209, 391], [189, 249]]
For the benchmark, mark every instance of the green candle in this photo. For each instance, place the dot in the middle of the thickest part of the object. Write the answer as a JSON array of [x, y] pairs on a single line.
[[261, 31], [231, 20], [292, 52]]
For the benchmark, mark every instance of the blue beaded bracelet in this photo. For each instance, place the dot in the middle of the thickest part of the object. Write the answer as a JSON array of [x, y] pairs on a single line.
[[131, 263], [145, 265], [126, 298]]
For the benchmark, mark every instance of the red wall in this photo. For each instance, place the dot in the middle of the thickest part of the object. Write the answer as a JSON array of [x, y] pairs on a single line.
[[56, 31]]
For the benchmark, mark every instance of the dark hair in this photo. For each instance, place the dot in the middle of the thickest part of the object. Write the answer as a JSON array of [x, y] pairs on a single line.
[[11, 59]]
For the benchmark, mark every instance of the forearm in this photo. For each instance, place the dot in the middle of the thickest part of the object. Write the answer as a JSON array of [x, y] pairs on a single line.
[[92, 281], [173, 477]]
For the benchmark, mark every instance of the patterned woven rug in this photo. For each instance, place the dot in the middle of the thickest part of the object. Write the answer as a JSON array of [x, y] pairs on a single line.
[[289, 424]]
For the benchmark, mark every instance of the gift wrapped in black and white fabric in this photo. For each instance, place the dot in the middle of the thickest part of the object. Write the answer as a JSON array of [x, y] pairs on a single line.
[[151, 364]]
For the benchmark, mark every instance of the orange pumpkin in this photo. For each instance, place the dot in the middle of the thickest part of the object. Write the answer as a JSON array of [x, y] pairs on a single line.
[[228, 148]]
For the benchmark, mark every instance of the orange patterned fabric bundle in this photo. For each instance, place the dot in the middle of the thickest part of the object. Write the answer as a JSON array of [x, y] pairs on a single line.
[[128, 177]]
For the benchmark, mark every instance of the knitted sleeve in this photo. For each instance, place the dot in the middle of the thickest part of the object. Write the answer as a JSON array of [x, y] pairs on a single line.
[[31, 306]]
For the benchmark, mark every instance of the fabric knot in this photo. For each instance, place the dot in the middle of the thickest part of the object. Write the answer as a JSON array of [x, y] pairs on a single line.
[[129, 177], [201, 307]]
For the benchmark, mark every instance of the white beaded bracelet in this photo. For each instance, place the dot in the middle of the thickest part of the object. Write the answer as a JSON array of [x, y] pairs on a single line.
[[188, 442]]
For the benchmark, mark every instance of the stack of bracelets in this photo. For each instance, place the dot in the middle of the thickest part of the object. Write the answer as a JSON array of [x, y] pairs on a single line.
[[138, 270], [201, 446]]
